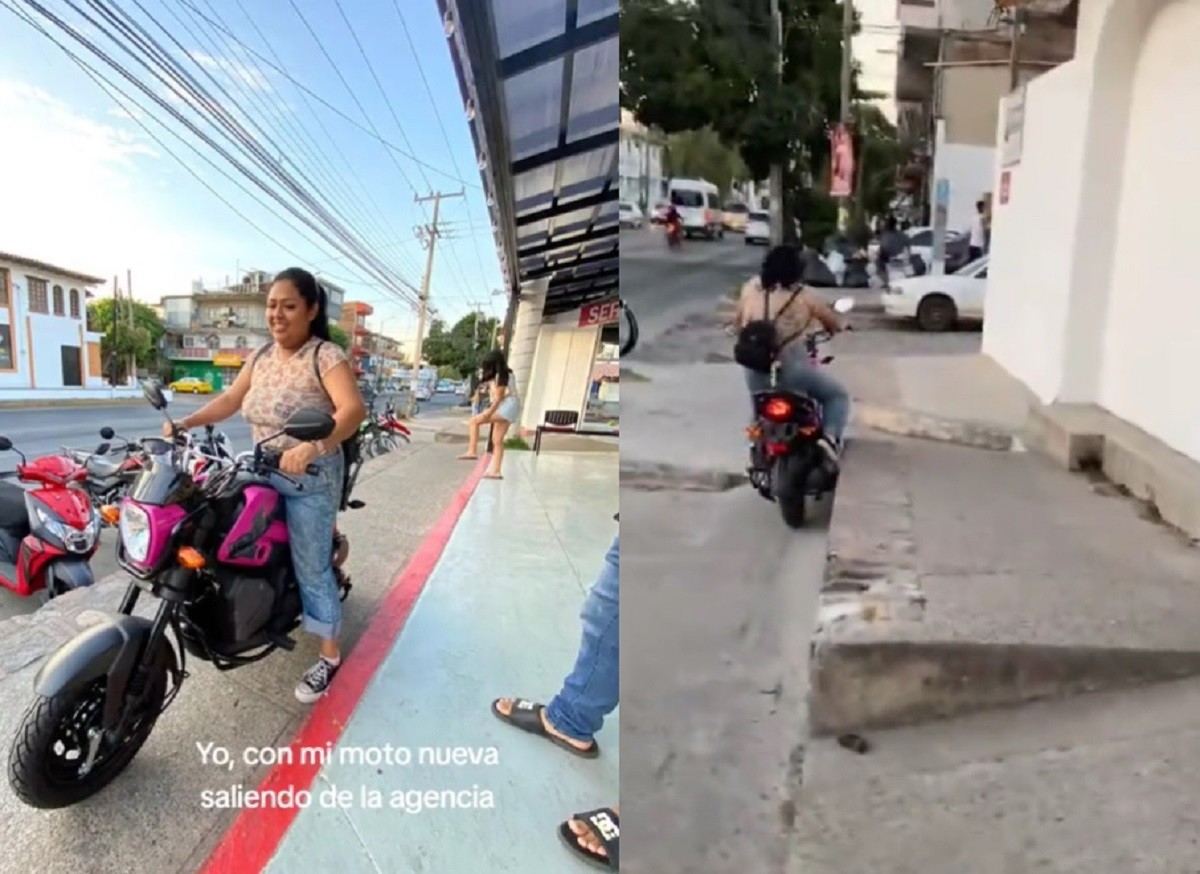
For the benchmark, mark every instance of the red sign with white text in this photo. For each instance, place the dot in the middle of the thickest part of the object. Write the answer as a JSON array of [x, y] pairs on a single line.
[[600, 313]]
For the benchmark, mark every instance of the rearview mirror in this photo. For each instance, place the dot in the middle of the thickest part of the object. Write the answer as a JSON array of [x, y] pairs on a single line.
[[107, 433], [103, 448], [5, 444], [154, 394], [844, 304], [309, 424]]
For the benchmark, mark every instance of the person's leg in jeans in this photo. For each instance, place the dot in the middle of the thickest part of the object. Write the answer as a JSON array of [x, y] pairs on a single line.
[[311, 516], [592, 689], [798, 374]]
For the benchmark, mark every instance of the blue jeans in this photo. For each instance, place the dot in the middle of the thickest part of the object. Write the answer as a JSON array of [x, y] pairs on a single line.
[[311, 514], [592, 689], [797, 374]]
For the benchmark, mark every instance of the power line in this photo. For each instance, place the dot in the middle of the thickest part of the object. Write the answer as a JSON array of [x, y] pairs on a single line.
[[199, 102], [105, 86]]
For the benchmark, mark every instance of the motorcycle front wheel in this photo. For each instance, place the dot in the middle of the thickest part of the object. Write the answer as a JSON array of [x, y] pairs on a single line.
[[46, 763]]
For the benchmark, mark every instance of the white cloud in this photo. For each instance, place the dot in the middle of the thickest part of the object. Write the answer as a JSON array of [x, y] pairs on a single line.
[[76, 194], [236, 70]]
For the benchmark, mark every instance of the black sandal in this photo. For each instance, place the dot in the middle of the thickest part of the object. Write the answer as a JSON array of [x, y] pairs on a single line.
[[527, 716], [605, 826]]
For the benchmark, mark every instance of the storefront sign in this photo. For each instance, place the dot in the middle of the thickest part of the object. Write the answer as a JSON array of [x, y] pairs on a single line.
[[605, 313], [226, 360]]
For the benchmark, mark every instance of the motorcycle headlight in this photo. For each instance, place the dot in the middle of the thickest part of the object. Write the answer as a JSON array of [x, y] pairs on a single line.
[[53, 525], [135, 532]]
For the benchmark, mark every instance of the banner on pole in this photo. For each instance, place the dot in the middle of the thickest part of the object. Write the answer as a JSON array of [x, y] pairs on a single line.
[[841, 176]]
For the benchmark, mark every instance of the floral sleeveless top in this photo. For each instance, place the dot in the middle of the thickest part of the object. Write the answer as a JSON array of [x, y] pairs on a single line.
[[281, 385]]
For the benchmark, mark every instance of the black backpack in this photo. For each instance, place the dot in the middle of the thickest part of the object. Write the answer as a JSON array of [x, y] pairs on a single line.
[[758, 344]]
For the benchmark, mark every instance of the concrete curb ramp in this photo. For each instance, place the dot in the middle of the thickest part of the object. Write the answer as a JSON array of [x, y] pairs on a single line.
[[911, 423], [878, 662]]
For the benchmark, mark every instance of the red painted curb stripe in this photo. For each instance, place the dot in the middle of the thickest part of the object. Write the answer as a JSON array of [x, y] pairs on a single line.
[[256, 832]]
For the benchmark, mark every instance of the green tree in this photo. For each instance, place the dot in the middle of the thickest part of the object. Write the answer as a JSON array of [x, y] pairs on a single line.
[[121, 340], [461, 348], [690, 65], [701, 154], [339, 336]]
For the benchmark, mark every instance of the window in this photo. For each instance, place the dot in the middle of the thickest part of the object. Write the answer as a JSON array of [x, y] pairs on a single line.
[[713, 201], [74, 303], [60, 307], [923, 238], [6, 349], [687, 198], [3, 286], [38, 300], [982, 274]]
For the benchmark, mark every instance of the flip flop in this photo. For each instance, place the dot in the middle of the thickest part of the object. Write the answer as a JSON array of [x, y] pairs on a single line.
[[527, 716], [493, 476], [605, 826], [468, 457]]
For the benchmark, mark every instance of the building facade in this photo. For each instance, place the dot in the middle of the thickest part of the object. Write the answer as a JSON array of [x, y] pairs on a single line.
[[1081, 307], [46, 349], [640, 164]]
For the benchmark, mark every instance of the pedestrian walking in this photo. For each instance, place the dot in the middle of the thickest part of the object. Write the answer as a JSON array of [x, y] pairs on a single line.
[[504, 409]]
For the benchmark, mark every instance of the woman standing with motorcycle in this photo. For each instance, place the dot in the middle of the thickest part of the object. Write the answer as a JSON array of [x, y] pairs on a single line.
[[300, 368]]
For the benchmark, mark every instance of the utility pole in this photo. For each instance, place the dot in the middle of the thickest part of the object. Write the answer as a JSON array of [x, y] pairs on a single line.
[[776, 180], [1014, 56], [428, 236], [132, 355], [847, 69]]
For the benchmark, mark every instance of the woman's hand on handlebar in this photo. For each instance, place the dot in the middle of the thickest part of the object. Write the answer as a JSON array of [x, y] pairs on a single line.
[[297, 459]]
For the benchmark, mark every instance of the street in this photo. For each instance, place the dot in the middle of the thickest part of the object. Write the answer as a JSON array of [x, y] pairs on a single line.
[[727, 596], [40, 431]]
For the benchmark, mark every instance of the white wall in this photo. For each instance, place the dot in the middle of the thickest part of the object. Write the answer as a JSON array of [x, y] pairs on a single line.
[[970, 170], [1150, 348], [1033, 235], [562, 368]]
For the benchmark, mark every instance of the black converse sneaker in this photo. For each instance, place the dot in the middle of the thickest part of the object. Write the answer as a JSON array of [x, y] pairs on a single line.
[[316, 680]]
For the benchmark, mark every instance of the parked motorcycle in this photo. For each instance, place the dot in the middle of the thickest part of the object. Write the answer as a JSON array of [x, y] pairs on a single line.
[[111, 470], [48, 534], [787, 464], [214, 550]]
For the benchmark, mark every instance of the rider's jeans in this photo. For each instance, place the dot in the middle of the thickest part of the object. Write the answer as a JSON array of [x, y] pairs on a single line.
[[592, 689], [798, 374], [311, 514]]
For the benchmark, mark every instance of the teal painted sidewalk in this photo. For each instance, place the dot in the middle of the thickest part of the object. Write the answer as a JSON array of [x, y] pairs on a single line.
[[499, 616]]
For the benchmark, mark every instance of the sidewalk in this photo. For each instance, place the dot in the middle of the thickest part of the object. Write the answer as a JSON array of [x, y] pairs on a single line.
[[489, 607]]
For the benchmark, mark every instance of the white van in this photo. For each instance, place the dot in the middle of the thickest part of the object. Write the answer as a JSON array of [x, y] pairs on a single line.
[[699, 205]]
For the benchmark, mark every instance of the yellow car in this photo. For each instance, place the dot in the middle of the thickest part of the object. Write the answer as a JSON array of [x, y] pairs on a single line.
[[191, 385], [734, 217]]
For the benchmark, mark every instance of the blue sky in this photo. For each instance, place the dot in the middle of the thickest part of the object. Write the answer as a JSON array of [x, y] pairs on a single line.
[[86, 188]]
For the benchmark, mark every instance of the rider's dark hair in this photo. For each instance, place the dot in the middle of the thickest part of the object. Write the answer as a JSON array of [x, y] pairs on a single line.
[[313, 294], [492, 365], [781, 268]]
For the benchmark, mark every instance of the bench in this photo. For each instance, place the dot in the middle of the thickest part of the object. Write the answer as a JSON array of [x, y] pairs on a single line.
[[566, 422]]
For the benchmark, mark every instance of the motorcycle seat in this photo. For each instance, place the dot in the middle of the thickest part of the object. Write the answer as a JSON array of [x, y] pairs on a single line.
[[13, 516]]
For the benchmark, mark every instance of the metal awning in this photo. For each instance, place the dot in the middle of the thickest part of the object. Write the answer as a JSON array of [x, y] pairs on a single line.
[[539, 83]]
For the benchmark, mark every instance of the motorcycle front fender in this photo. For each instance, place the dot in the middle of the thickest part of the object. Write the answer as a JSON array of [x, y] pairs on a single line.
[[70, 574], [110, 649]]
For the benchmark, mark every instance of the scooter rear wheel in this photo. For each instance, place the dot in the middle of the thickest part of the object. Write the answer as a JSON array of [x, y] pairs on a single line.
[[51, 744]]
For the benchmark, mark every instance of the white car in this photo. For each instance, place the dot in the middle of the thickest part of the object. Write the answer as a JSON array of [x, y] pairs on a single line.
[[938, 303], [758, 228], [629, 215]]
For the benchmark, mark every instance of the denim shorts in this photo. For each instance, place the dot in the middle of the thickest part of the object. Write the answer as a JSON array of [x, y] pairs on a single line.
[[509, 409]]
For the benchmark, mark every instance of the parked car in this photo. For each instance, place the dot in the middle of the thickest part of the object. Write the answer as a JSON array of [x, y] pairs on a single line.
[[939, 303], [191, 385], [735, 217], [758, 228], [630, 215], [425, 392], [445, 386]]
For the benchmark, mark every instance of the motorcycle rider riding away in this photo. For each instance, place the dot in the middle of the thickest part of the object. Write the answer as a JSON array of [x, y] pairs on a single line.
[[795, 311]]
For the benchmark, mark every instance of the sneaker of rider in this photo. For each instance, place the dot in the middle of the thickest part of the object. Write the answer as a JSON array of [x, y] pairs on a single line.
[[316, 680]]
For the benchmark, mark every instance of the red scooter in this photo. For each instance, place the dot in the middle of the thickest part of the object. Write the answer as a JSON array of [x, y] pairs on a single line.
[[47, 534], [387, 419], [674, 234]]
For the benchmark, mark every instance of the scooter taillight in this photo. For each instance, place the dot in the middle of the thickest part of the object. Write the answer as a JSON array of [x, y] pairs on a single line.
[[778, 410]]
